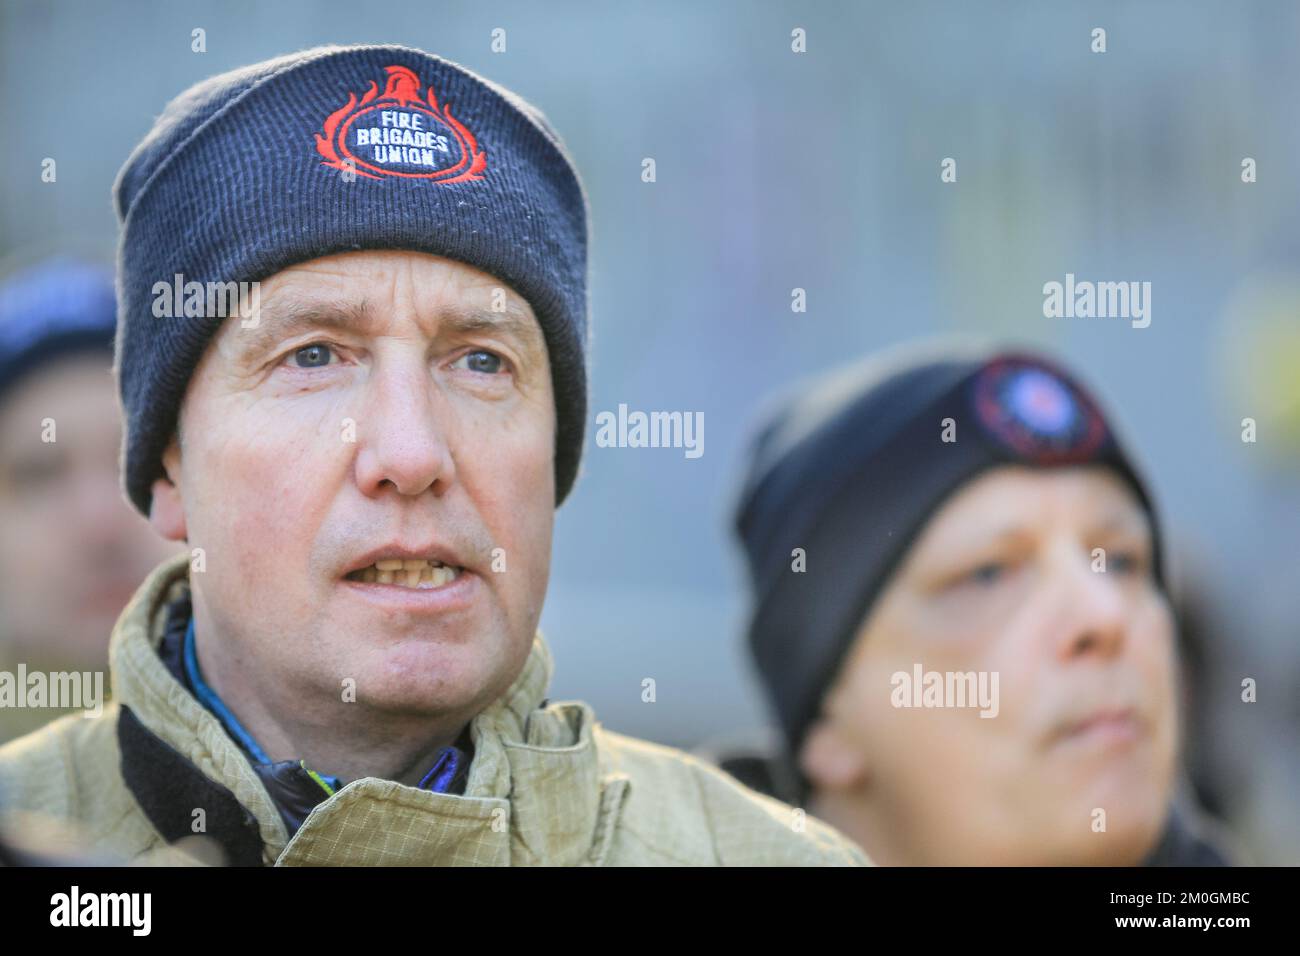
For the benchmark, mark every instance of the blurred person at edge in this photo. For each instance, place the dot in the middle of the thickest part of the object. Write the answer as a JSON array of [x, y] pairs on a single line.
[[72, 550], [968, 515]]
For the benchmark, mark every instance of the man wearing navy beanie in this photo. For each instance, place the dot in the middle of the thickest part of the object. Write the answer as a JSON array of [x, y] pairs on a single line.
[[352, 317], [961, 617]]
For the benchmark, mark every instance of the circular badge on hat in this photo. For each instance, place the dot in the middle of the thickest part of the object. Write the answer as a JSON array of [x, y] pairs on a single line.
[[1035, 412]]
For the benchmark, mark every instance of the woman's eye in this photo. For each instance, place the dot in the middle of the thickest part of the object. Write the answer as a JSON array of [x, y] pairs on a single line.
[[488, 363], [315, 355], [1125, 562], [988, 573], [35, 472]]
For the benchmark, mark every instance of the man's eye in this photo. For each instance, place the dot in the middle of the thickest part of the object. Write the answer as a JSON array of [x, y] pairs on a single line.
[[489, 363], [315, 355]]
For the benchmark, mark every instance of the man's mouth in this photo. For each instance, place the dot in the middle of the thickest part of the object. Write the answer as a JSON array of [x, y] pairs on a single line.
[[420, 573]]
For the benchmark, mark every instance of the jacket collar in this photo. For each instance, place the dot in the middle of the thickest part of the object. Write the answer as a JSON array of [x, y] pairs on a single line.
[[527, 758]]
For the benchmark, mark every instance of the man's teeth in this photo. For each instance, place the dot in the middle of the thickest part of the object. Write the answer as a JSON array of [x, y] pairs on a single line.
[[407, 572]]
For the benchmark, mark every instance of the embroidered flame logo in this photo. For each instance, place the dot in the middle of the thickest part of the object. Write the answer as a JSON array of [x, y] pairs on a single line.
[[402, 91]]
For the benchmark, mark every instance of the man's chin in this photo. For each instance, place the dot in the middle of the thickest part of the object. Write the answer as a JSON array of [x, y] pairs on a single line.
[[432, 677]]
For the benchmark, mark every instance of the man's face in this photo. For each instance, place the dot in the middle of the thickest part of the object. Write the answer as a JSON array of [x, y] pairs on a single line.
[[388, 406], [1002, 580], [73, 551]]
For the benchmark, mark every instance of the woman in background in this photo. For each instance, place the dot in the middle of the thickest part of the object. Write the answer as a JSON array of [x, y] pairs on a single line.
[[962, 619]]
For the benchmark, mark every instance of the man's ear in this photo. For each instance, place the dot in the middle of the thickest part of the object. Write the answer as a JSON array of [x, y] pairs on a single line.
[[167, 512], [829, 760]]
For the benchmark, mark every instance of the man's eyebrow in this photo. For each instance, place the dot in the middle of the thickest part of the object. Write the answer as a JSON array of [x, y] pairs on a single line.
[[279, 323], [513, 322]]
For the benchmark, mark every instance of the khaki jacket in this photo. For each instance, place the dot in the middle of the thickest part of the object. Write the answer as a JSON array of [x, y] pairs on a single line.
[[548, 785]]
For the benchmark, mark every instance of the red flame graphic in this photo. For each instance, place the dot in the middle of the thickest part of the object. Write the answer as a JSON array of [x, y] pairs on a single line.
[[401, 89]]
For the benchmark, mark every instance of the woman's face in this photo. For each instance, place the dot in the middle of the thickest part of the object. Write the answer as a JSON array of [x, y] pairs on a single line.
[[1036, 588]]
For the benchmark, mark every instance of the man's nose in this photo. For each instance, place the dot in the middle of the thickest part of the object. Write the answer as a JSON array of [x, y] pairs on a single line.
[[1094, 614], [401, 430]]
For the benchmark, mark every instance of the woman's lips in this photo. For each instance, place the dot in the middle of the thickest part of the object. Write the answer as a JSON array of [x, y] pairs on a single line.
[[1105, 729]]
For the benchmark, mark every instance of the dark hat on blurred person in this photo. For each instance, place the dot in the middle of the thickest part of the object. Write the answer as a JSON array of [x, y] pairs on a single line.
[[59, 306], [850, 472]]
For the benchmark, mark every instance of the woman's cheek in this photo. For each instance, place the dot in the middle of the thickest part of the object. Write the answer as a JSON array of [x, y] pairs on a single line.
[[1154, 637], [1159, 664]]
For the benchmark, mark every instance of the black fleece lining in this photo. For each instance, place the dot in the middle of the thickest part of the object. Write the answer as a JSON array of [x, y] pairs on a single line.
[[169, 788]]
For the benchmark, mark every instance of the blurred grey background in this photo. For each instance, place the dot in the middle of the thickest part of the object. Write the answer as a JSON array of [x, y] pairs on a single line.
[[821, 171]]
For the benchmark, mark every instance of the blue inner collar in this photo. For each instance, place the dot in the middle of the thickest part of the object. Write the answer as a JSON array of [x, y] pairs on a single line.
[[209, 699], [294, 787], [440, 777]]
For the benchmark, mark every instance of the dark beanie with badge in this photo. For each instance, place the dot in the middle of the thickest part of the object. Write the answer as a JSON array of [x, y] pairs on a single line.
[[851, 472], [331, 150]]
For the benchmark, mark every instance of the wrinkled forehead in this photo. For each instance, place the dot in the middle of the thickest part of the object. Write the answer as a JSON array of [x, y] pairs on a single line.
[[373, 293], [394, 270], [1020, 502]]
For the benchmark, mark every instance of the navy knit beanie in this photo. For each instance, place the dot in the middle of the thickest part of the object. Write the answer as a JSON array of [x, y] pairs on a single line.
[[330, 150], [852, 471]]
